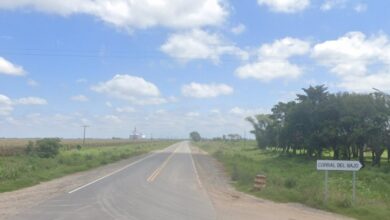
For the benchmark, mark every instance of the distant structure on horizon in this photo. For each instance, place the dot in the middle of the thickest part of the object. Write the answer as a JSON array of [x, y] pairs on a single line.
[[137, 135]]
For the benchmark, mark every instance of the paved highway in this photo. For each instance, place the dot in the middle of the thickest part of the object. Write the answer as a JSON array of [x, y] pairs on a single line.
[[162, 185]]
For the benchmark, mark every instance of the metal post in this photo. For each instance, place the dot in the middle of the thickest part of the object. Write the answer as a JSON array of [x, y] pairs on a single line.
[[326, 187], [353, 187]]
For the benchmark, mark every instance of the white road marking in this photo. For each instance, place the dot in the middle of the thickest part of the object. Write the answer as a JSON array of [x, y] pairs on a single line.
[[112, 173]]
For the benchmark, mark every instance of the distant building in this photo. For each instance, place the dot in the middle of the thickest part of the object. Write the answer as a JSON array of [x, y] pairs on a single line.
[[137, 135], [234, 137]]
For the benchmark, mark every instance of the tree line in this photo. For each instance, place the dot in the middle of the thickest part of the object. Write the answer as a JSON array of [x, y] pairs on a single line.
[[346, 124]]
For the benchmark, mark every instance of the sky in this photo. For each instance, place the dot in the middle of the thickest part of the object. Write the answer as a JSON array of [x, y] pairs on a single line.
[[169, 67]]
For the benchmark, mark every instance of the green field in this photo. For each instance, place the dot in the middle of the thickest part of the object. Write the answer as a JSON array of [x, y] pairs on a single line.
[[295, 179], [23, 170], [16, 146]]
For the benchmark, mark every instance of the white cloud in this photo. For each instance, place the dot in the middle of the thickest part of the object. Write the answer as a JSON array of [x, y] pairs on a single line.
[[172, 99], [352, 53], [197, 90], [331, 4], [328, 5], [361, 62], [199, 44], [366, 83], [30, 101], [130, 88], [273, 61], [284, 48], [241, 112], [108, 104], [237, 111], [32, 83], [131, 14], [5, 105], [347, 54], [285, 6], [81, 80], [360, 7], [125, 109], [193, 114], [239, 29], [112, 119], [79, 98], [286, 96], [161, 111], [267, 70], [85, 121], [215, 111], [8, 68]]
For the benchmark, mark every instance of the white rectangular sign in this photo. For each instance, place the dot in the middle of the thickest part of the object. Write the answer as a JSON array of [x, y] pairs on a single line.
[[343, 165]]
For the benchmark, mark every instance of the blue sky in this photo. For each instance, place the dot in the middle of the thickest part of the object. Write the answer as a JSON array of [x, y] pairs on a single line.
[[170, 67]]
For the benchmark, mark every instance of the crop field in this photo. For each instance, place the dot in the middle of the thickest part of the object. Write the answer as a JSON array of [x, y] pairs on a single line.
[[10, 146]]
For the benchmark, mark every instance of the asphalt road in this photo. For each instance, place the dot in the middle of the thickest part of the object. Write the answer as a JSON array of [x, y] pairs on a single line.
[[162, 185]]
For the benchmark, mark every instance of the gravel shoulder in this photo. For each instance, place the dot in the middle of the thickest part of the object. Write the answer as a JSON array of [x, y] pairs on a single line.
[[231, 204]]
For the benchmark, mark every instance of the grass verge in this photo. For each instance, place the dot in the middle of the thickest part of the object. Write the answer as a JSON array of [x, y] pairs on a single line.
[[295, 179], [23, 170]]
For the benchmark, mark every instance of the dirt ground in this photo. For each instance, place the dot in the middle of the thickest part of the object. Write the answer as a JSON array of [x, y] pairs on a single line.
[[230, 204]]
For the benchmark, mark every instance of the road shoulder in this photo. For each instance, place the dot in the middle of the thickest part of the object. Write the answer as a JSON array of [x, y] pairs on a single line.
[[231, 204]]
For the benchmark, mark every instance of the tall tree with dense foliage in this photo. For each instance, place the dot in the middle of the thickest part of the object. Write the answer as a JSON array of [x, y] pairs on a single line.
[[195, 136], [345, 124]]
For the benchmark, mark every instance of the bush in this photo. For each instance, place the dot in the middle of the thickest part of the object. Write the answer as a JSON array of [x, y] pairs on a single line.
[[48, 147], [345, 203], [235, 174], [30, 148], [290, 183]]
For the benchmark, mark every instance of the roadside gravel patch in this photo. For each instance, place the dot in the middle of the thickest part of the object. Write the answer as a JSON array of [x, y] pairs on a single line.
[[231, 204]]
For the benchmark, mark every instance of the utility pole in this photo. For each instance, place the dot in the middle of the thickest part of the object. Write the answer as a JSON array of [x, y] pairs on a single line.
[[85, 128]]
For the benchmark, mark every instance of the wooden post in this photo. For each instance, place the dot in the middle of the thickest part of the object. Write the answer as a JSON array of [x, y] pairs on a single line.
[[260, 182]]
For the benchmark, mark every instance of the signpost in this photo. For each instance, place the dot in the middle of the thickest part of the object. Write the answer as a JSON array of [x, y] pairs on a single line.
[[340, 165]]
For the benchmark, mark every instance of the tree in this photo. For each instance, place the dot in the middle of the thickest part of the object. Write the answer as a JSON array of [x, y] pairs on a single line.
[[261, 123], [48, 147], [314, 95], [195, 136], [350, 124]]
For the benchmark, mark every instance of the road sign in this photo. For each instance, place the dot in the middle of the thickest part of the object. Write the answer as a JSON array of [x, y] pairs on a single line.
[[342, 165]]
